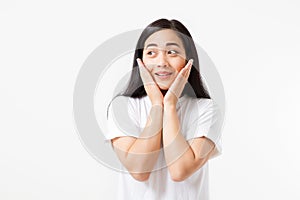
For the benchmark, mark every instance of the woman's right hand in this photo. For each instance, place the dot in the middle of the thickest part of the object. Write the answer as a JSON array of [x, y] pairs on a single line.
[[150, 86]]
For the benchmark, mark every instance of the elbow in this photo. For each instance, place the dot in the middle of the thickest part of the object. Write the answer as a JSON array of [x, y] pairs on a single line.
[[178, 176], [180, 173], [141, 177]]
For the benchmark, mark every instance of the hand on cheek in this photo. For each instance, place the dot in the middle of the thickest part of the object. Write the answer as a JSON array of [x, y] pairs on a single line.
[[177, 86]]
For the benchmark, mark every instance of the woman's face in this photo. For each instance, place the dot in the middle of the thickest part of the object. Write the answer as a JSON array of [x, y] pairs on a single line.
[[164, 56]]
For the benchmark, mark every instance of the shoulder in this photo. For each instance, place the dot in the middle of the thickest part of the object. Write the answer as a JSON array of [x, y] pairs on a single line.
[[199, 103], [121, 102], [205, 102], [125, 100], [199, 107], [121, 97]]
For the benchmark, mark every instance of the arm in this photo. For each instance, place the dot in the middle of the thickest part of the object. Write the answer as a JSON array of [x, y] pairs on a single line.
[[182, 157], [139, 155]]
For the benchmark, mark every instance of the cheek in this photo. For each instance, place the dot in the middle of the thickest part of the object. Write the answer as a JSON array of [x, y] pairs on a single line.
[[148, 63], [179, 66]]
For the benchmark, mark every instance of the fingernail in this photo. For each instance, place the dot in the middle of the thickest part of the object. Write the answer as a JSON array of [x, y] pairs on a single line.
[[191, 60], [138, 62]]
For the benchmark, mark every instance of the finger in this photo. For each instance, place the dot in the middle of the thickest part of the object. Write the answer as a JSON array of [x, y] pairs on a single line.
[[181, 79], [177, 88], [182, 73], [178, 85], [140, 62], [187, 70], [189, 63], [141, 65], [146, 77]]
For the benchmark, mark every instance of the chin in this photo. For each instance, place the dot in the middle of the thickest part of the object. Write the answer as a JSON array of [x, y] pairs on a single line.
[[163, 87]]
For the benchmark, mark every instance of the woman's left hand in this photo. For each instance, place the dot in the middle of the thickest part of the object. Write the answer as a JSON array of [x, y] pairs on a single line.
[[177, 86]]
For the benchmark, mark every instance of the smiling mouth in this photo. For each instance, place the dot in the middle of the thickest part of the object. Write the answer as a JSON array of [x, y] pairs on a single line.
[[163, 74]]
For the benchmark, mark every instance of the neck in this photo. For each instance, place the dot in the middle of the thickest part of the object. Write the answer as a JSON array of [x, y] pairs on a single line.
[[163, 92]]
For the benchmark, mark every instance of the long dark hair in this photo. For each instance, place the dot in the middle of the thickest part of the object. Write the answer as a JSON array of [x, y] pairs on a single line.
[[195, 88]]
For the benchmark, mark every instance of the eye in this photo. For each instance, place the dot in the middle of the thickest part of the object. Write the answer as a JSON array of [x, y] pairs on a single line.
[[174, 52], [150, 53]]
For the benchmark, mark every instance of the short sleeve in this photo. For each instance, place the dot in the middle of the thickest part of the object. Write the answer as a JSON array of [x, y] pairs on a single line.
[[122, 118], [206, 120]]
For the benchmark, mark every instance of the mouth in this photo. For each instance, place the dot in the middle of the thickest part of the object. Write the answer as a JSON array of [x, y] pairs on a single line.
[[163, 75]]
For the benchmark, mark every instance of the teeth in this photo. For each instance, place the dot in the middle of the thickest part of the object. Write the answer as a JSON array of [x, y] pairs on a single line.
[[164, 74]]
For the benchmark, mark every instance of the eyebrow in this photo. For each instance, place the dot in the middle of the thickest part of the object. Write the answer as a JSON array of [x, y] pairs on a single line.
[[172, 43], [168, 44]]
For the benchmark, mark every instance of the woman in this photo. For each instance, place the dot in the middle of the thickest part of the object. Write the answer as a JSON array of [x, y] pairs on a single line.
[[168, 126]]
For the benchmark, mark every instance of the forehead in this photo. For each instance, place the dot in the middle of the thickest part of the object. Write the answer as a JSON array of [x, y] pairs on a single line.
[[162, 37]]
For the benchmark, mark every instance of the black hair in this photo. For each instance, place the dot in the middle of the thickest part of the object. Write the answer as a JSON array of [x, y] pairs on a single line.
[[195, 88]]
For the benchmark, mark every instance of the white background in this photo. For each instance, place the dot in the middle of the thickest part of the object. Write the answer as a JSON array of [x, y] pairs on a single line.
[[255, 46]]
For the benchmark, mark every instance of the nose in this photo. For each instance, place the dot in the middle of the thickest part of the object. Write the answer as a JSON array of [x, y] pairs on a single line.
[[162, 60]]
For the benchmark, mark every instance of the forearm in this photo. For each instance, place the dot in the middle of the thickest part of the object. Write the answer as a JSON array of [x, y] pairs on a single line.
[[142, 154], [177, 150]]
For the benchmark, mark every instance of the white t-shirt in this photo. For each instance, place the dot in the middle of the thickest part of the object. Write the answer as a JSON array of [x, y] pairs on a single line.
[[198, 117]]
